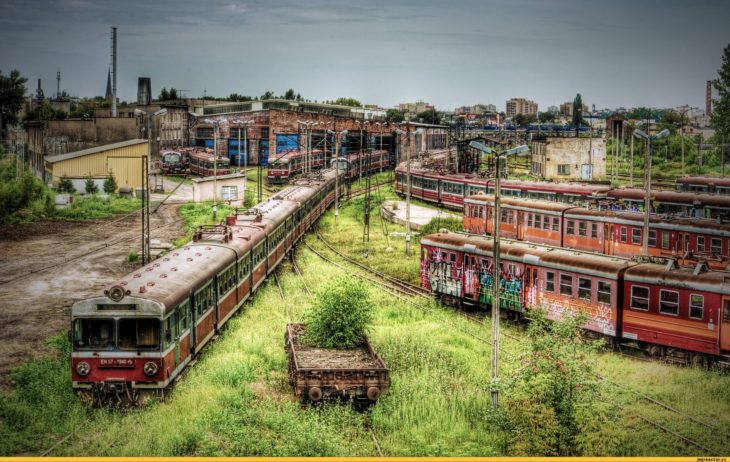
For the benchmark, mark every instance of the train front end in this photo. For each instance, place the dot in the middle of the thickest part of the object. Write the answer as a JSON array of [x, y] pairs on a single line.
[[117, 348]]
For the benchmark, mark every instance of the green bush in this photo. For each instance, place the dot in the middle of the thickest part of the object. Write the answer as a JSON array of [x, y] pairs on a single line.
[[110, 184], [341, 314], [90, 186], [132, 256], [65, 185], [436, 224], [21, 197]]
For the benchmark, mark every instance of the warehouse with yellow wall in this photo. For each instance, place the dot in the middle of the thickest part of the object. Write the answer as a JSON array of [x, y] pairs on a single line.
[[125, 160]]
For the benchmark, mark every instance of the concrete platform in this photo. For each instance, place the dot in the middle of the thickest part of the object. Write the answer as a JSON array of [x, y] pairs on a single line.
[[395, 211]]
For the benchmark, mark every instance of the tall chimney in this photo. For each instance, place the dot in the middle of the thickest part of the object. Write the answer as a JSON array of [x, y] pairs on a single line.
[[708, 100], [114, 71], [58, 84]]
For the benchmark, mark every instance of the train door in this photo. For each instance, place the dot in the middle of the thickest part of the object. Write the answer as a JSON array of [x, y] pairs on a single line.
[[608, 239], [529, 294], [520, 231], [682, 243], [725, 325]]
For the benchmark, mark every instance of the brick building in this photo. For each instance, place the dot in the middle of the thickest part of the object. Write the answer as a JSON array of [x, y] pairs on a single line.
[[566, 109], [266, 128]]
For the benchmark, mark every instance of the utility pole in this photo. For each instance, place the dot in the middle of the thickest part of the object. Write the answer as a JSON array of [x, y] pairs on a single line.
[[496, 282], [408, 189], [631, 171], [647, 184]]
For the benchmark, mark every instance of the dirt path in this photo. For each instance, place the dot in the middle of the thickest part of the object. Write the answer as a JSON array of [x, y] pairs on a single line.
[[66, 262]]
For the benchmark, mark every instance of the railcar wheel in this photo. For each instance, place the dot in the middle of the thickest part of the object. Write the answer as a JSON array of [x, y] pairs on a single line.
[[315, 394], [373, 393]]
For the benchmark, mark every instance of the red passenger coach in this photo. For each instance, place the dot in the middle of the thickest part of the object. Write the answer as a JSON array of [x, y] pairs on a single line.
[[677, 309], [203, 164], [290, 163]]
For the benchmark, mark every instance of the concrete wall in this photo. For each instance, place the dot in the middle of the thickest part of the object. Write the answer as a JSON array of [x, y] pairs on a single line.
[[573, 154], [205, 190]]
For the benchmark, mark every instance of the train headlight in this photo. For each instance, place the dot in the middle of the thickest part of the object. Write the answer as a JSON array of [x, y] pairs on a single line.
[[83, 368], [150, 368]]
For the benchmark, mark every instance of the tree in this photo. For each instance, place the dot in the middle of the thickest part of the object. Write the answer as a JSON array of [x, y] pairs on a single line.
[[720, 117], [577, 113], [65, 185], [110, 184], [12, 94], [172, 94], [523, 120], [555, 405], [268, 95], [164, 95], [347, 102], [429, 116], [394, 115], [290, 94], [90, 186], [545, 117]]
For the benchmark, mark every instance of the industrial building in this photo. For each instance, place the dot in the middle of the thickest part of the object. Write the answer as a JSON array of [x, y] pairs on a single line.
[[125, 160], [249, 132]]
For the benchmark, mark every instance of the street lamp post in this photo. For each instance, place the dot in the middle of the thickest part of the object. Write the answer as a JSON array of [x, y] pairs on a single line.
[[337, 169], [647, 183], [216, 126], [498, 156]]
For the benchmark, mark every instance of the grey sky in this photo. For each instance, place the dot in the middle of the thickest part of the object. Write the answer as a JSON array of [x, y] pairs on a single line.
[[618, 53]]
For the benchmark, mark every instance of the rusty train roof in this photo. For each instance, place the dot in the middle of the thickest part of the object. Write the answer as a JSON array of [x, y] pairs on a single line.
[[680, 278], [357, 155], [521, 203], [170, 279], [673, 197], [704, 180], [293, 154], [533, 254]]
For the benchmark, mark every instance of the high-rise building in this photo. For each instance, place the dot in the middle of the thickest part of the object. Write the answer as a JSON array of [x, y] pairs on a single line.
[[516, 106], [566, 109]]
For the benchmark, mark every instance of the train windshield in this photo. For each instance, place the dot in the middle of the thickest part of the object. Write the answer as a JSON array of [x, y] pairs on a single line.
[[342, 164], [171, 158], [122, 334], [280, 164]]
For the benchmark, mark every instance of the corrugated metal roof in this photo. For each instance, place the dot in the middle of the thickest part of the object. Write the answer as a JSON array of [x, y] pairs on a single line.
[[96, 150]]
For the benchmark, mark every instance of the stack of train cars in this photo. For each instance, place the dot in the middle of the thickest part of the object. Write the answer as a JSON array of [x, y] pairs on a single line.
[[680, 313], [134, 339], [450, 190]]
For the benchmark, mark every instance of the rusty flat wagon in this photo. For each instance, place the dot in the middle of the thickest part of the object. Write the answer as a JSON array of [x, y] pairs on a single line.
[[358, 374]]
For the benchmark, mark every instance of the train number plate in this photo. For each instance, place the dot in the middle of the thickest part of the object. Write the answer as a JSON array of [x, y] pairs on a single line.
[[116, 362]]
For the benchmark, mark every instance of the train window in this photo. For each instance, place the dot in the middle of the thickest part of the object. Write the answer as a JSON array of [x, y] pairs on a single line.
[[636, 236], [570, 228], [582, 228], [546, 223], [669, 302], [566, 285], [696, 306], [640, 298], [665, 239], [623, 234], [716, 246], [556, 224], [140, 333], [550, 281], [452, 257], [584, 288], [183, 309], [529, 220], [701, 244], [604, 292], [94, 334], [594, 230], [652, 238], [538, 218], [504, 215]]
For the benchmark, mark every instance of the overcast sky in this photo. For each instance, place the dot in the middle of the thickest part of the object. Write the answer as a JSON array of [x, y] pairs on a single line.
[[451, 53]]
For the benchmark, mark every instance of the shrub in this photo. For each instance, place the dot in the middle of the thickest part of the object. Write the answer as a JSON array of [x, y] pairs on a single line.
[[341, 314], [110, 184], [90, 186], [132, 256], [65, 185]]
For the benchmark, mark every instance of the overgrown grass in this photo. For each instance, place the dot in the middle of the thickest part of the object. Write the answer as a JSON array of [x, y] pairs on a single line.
[[95, 207]]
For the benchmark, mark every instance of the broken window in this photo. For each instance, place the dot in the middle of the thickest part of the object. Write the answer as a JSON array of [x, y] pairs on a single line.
[[139, 334], [94, 334]]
